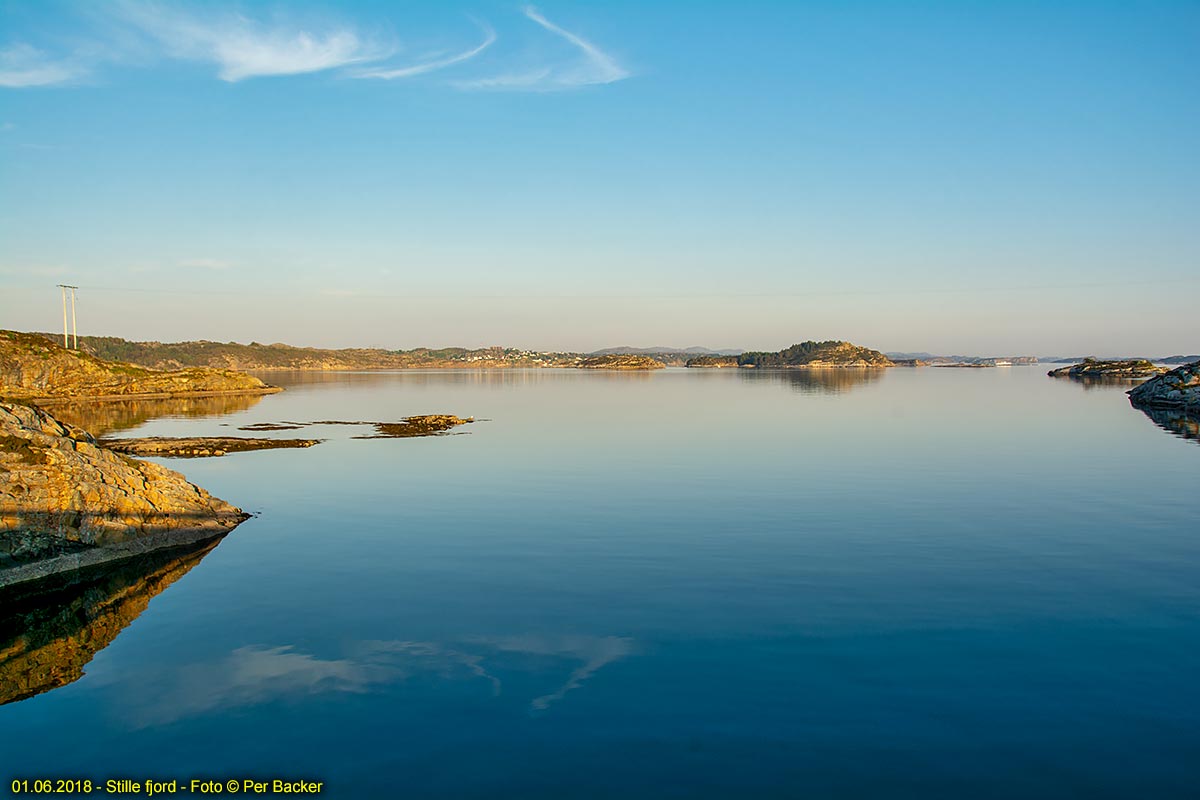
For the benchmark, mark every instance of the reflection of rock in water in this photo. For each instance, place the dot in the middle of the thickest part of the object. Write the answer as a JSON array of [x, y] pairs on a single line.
[[1090, 382], [100, 418], [48, 637], [1184, 424], [816, 381]]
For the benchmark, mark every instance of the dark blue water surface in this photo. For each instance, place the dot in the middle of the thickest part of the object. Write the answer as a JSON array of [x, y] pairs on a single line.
[[720, 584]]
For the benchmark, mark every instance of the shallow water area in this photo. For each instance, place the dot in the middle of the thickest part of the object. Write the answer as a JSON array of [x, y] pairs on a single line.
[[687, 583]]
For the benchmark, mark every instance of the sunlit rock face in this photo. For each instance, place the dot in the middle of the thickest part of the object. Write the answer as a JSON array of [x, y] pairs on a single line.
[[48, 637], [67, 503], [1179, 388]]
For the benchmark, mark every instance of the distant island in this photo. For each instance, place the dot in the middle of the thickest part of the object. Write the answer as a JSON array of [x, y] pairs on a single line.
[[984, 361], [621, 362], [816, 355]]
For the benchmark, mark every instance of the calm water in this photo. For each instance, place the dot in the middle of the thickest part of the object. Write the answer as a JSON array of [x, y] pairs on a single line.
[[918, 583]]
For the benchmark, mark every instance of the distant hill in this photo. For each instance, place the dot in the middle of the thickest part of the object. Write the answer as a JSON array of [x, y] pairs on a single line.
[[651, 351], [255, 356], [818, 354], [1179, 359]]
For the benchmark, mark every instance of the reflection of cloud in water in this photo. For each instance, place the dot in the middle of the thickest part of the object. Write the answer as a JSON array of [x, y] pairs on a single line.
[[593, 651], [257, 674], [247, 676]]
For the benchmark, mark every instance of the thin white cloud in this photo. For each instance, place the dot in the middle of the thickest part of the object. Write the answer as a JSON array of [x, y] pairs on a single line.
[[600, 67], [428, 66], [22, 65], [8, 126], [242, 47], [594, 66]]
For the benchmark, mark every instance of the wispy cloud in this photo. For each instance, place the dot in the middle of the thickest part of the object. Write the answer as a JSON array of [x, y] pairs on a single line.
[[385, 73], [242, 47], [594, 66], [22, 65]]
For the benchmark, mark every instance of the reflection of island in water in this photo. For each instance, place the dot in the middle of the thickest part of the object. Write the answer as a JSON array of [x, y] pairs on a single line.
[[1176, 421], [101, 418], [46, 639], [816, 381]]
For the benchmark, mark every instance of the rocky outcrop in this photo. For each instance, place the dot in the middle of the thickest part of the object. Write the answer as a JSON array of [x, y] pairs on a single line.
[[66, 503], [1133, 369], [1179, 388], [34, 368], [712, 362], [620, 361]]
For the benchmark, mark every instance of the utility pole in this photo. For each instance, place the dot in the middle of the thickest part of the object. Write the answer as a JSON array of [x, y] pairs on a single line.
[[64, 287], [74, 330]]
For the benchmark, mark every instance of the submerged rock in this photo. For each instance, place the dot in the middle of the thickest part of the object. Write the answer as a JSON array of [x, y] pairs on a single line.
[[423, 425], [1179, 388], [1133, 368], [199, 446], [67, 503]]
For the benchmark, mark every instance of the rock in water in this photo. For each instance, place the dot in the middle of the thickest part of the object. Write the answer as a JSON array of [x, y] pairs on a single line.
[[67, 503], [1179, 388], [1130, 369]]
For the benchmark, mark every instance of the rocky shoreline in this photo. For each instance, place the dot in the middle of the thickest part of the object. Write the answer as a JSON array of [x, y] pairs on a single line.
[[67, 503], [1177, 389]]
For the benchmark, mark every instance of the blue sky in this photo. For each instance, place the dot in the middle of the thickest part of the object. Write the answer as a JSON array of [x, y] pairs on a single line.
[[959, 176]]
